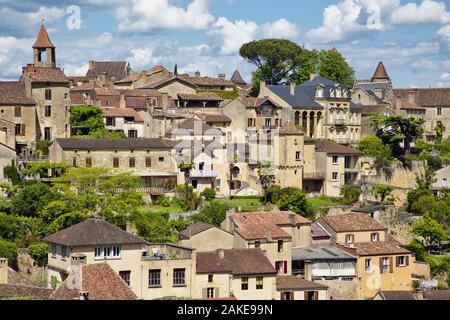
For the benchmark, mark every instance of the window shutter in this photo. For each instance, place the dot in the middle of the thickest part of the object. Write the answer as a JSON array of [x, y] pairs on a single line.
[[204, 293], [285, 267], [407, 260], [391, 264], [381, 265], [397, 261], [316, 295], [281, 295], [292, 295], [23, 129]]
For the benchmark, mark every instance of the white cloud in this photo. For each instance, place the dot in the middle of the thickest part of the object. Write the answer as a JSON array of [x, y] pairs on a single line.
[[351, 17], [444, 32], [148, 16], [280, 29], [427, 12], [233, 34], [141, 58], [12, 52]]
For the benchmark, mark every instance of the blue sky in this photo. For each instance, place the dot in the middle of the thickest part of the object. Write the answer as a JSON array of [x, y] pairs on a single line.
[[411, 37]]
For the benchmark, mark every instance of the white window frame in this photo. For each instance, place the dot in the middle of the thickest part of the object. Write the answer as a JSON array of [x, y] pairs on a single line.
[[337, 176], [352, 236], [368, 265], [333, 160], [404, 261], [384, 265], [445, 183], [107, 252], [54, 250], [374, 237]]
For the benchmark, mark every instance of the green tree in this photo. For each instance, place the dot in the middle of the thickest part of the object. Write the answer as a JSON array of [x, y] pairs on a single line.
[[213, 213], [276, 58], [256, 82], [208, 194], [382, 191], [416, 248], [8, 250], [333, 66], [87, 120], [43, 146], [154, 227], [309, 64], [295, 202], [32, 199], [429, 229], [13, 175], [350, 195], [393, 130], [440, 130], [39, 253], [372, 146], [266, 177]]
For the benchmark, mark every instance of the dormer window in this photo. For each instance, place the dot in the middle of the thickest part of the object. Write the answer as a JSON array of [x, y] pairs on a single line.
[[332, 93], [319, 92]]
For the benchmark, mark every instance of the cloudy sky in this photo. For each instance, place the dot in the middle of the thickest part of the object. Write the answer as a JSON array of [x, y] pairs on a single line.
[[411, 37]]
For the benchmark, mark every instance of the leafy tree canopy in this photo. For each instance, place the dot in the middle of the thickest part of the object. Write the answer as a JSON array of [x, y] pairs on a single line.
[[373, 146], [429, 229], [39, 253]]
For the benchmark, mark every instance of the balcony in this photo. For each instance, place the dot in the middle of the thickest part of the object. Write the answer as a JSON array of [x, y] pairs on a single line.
[[203, 174], [352, 170]]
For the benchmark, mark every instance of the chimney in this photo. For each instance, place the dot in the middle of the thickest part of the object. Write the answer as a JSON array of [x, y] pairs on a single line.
[[4, 270], [419, 294], [31, 68], [197, 74], [292, 221], [78, 260], [312, 76], [221, 253], [84, 295], [222, 76], [91, 64], [122, 103], [292, 89], [308, 270]]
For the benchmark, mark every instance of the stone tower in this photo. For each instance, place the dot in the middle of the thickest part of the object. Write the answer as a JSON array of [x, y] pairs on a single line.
[[44, 50]]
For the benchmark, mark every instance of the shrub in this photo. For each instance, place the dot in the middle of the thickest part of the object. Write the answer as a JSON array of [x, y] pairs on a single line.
[[39, 253], [295, 202], [163, 202], [208, 194], [8, 250], [273, 194], [213, 213], [350, 195], [12, 174], [416, 248]]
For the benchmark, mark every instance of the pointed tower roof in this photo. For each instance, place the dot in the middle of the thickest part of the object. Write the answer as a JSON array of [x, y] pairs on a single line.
[[43, 40], [380, 72], [237, 78]]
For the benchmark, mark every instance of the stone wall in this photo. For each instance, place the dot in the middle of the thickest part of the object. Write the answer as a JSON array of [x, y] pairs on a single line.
[[398, 224], [342, 290], [29, 269]]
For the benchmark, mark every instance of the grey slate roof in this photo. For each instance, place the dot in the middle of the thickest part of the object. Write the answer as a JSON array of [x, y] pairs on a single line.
[[195, 229], [93, 232], [301, 99], [112, 144], [112, 69], [321, 252]]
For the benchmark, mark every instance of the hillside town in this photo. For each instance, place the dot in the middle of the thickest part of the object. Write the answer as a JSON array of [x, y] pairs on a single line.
[[123, 184]]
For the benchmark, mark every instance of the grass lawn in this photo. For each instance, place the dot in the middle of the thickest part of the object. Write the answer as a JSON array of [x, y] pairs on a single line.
[[248, 204], [160, 209], [321, 202]]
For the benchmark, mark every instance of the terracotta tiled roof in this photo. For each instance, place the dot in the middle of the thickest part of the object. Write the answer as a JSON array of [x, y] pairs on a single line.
[[263, 225], [12, 93], [41, 74], [208, 81], [93, 232], [99, 280], [122, 112], [200, 97], [12, 291], [234, 261], [380, 72], [397, 295], [331, 147], [85, 87], [113, 69], [295, 283], [191, 126], [213, 117], [318, 232], [352, 222], [167, 80], [290, 129], [437, 295], [43, 40], [16, 279], [374, 248], [195, 229], [237, 78], [156, 69]]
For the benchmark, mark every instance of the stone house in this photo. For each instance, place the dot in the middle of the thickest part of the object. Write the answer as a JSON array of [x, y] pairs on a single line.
[[295, 288], [18, 117], [442, 179], [125, 120], [49, 87], [107, 71], [7, 158], [245, 274], [204, 237], [321, 107], [382, 264], [150, 159], [276, 233]]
